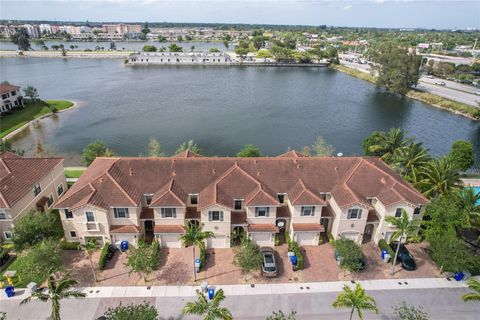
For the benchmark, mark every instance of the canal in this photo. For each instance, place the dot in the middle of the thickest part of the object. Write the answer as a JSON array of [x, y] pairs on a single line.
[[222, 108]]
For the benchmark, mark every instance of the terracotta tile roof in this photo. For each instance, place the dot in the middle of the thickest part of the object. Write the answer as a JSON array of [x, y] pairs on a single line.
[[4, 88], [187, 154], [147, 214], [292, 154], [169, 228], [18, 175], [239, 217], [41, 202], [192, 213], [284, 212], [372, 216], [327, 212], [124, 229], [308, 227], [262, 227], [217, 180]]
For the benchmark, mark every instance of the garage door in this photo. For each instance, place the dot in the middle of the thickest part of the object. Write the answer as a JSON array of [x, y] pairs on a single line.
[[124, 237], [262, 239], [170, 241], [217, 242], [350, 235], [306, 238]]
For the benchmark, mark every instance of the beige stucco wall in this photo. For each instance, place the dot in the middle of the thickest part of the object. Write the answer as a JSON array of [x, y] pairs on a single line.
[[343, 225], [28, 202], [251, 219], [384, 229], [78, 224], [133, 217], [219, 228], [180, 219]]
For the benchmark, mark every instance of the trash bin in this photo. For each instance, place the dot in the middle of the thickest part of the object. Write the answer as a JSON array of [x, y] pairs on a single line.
[[384, 252], [197, 265], [211, 293], [10, 291], [387, 257], [458, 276], [124, 245]]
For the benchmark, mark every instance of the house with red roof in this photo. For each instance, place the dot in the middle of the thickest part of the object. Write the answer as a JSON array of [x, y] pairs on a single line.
[[11, 97], [127, 199]]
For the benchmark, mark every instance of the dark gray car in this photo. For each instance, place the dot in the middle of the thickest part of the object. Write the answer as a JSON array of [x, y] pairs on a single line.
[[269, 264]]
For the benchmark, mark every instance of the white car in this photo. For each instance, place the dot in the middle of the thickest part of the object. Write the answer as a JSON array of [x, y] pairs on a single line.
[[440, 83], [430, 77]]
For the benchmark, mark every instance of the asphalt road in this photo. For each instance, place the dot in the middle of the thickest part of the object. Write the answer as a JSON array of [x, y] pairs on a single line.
[[439, 303]]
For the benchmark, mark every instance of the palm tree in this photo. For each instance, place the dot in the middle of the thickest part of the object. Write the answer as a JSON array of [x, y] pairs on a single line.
[[89, 247], [474, 285], [210, 310], [404, 227], [389, 143], [411, 161], [58, 289], [194, 236], [441, 177], [355, 299], [469, 201]]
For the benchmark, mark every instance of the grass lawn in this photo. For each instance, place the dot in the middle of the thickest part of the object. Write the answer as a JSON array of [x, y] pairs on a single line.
[[74, 173], [32, 110], [17, 264]]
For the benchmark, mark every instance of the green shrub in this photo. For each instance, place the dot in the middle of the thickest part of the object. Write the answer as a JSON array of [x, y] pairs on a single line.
[[102, 261], [155, 247], [383, 245], [331, 240], [203, 257], [277, 240], [293, 247], [70, 245]]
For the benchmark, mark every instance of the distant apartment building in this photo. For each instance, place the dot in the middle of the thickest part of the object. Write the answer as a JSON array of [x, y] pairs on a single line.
[[122, 28], [127, 199], [7, 31], [26, 184], [32, 30], [11, 97], [45, 29], [179, 58]]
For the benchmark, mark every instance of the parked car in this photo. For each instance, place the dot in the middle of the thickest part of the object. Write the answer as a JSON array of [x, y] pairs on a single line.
[[362, 262], [477, 92], [440, 83], [404, 257], [430, 76], [111, 251], [269, 264]]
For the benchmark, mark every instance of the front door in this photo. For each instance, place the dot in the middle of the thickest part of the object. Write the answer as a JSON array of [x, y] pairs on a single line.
[[149, 226]]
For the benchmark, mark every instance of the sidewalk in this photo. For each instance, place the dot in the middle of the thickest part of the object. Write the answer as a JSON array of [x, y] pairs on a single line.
[[259, 289]]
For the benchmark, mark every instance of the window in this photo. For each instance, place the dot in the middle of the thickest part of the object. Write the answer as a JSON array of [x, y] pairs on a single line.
[[37, 189], [307, 211], [261, 211], [73, 234], [8, 235], [354, 214], [398, 213], [50, 200], [90, 216], [3, 214], [281, 197], [194, 199], [215, 215], [148, 199], [168, 212], [417, 210], [68, 214], [237, 204], [120, 212], [60, 189]]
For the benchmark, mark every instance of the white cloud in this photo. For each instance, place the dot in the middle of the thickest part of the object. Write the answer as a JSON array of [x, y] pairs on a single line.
[[347, 7]]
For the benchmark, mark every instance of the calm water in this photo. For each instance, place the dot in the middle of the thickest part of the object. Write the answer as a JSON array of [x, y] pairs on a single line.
[[220, 107], [121, 45]]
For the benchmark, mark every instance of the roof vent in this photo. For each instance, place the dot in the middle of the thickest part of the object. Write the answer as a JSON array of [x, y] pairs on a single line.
[[339, 154], [131, 171], [214, 171], [298, 166], [336, 168], [295, 161], [383, 181], [174, 173], [255, 161], [259, 173]]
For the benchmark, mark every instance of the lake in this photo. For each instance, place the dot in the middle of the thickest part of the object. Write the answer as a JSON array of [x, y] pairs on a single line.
[[222, 108]]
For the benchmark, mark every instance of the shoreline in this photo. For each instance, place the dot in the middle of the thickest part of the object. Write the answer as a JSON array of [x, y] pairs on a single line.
[[418, 95], [69, 55], [26, 125]]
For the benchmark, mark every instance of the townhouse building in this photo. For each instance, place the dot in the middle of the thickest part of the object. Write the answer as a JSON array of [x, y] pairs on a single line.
[[128, 199], [11, 97], [26, 184], [179, 58]]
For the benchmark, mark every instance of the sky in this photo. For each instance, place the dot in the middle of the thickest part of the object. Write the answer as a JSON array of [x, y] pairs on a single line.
[[438, 14]]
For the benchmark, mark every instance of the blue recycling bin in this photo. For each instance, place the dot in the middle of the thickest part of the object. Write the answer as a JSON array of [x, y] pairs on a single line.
[[211, 293], [293, 259], [10, 291], [124, 245], [384, 252], [458, 276]]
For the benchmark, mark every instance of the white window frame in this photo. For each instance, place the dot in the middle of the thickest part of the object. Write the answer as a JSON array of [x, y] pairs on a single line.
[[419, 208], [190, 198], [281, 194], [241, 204], [93, 214], [358, 213], [310, 211], [265, 210], [5, 235], [50, 197], [65, 211], [73, 237], [36, 187], [211, 215], [58, 187], [146, 196], [395, 214], [172, 212], [3, 213], [116, 214]]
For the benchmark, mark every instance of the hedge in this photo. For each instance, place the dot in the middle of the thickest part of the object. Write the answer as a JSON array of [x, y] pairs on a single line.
[[293, 246], [203, 257], [70, 245], [155, 254], [383, 245], [102, 261], [331, 240]]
